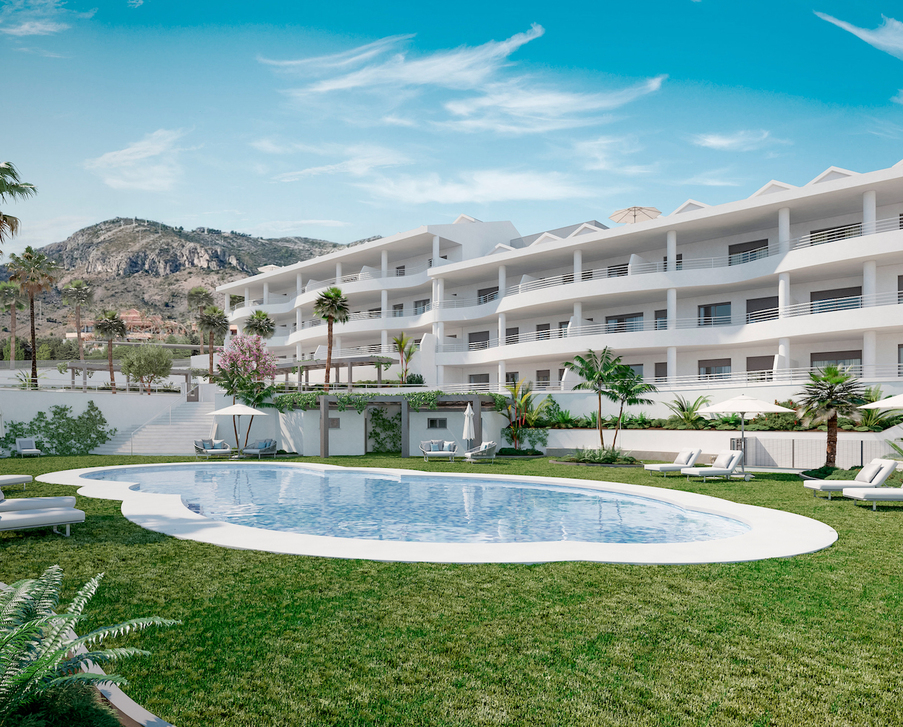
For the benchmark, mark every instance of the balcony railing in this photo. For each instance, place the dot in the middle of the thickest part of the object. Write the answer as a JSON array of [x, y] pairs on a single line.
[[857, 229]]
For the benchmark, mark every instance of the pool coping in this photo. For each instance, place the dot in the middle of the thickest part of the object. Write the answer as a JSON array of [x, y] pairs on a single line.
[[772, 534]]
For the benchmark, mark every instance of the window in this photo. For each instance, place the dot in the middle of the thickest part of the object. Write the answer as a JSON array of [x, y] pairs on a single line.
[[823, 301], [421, 306], [661, 319], [624, 322], [714, 368], [661, 371], [399, 271], [900, 280], [679, 261], [437, 423], [484, 295], [760, 368], [542, 377], [563, 329], [478, 379], [398, 310], [429, 263], [832, 234], [560, 375], [617, 271], [512, 335], [636, 368], [511, 378], [335, 423], [478, 340], [761, 309], [835, 358], [715, 314], [542, 331], [744, 252]]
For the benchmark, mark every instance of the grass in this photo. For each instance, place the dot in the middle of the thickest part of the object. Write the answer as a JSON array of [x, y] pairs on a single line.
[[288, 640]]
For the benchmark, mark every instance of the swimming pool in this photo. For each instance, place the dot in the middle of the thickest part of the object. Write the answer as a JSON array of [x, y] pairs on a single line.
[[405, 515]]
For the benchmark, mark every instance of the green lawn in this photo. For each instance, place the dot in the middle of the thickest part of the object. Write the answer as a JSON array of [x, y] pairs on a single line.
[[289, 640]]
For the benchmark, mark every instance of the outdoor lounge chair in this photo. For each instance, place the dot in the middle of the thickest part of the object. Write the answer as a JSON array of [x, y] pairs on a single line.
[[484, 453], [26, 513], [261, 447], [211, 448], [438, 449], [26, 448], [874, 494], [871, 476], [723, 466], [684, 458], [15, 480]]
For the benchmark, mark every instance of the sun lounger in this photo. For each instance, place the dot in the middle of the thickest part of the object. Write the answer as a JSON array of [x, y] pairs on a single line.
[[211, 448], [874, 494], [684, 458], [26, 513], [15, 480], [261, 447], [723, 466], [872, 475], [26, 448], [438, 449], [484, 453]]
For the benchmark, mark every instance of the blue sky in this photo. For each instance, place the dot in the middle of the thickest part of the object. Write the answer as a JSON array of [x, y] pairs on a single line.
[[346, 120]]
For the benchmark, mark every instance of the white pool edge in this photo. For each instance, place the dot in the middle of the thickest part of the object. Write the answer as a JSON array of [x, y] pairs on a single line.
[[772, 534]]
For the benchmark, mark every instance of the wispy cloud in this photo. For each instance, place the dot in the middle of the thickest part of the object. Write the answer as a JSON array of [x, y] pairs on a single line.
[[361, 161], [41, 232], [887, 37], [492, 185], [270, 146], [898, 97], [149, 165], [293, 227], [39, 52], [23, 18], [610, 154], [713, 178], [744, 140], [34, 27], [136, 3], [345, 59]]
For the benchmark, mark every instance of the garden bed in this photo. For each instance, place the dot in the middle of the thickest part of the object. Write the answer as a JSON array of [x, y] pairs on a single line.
[[595, 464]]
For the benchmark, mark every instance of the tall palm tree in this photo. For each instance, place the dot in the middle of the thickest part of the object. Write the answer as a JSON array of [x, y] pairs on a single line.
[[11, 187], [629, 389], [332, 306], [832, 392], [34, 273], [260, 324], [78, 293], [214, 322], [199, 297], [110, 326], [598, 372], [11, 298]]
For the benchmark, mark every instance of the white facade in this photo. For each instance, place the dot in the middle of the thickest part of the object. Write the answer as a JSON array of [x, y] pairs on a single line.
[[748, 293]]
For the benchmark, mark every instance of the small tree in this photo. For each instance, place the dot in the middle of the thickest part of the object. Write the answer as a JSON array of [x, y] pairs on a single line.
[[110, 327], [332, 306], [11, 299], [598, 372], [147, 365], [78, 294], [832, 392], [629, 389], [243, 371]]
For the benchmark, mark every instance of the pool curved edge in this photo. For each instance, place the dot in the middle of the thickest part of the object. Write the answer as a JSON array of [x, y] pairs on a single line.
[[772, 534]]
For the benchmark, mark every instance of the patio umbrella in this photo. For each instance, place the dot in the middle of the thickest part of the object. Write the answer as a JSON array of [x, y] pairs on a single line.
[[238, 410], [744, 405], [891, 402], [468, 433], [635, 214]]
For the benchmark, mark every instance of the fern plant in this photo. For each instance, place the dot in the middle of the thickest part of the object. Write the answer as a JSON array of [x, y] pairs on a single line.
[[687, 412], [39, 649]]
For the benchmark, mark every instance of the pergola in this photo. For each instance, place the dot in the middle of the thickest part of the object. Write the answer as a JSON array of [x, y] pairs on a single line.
[[346, 362], [86, 366]]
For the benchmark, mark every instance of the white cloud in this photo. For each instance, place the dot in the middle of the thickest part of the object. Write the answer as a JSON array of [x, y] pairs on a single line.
[[352, 57], [268, 146], [393, 120], [608, 154], [39, 52], [361, 161], [713, 178], [898, 98], [136, 3], [745, 140], [41, 232], [149, 165], [483, 186], [34, 27], [23, 18], [887, 37]]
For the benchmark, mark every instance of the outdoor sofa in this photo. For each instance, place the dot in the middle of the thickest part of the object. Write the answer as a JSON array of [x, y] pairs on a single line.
[[724, 465], [261, 447], [484, 453], [438, 449], [211, 448], [684, 458], [27, 513], [25, 447], [871, 476]]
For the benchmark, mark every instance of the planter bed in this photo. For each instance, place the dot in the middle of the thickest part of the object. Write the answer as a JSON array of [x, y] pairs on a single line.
[[592, 464]]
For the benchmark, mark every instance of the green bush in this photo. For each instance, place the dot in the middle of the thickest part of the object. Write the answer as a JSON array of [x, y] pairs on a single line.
[[385, 430], [77, 705], [512, 452], [609, 455], [61, 433]]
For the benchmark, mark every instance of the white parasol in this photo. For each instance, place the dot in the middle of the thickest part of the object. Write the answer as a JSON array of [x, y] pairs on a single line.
[[238, 410], [635, 214], [891, 402], [468, 434]]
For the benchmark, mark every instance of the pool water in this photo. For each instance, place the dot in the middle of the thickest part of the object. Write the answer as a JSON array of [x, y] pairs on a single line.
[[419, 507]]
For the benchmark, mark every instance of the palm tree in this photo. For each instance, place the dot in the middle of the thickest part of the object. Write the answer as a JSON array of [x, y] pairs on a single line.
[[598, 372], [110, 326], [11, 187], [214, 322], [404, 347], [332, 307], [688, 411], [34, 273], [11, 298], [78, 293], [629, 389], [832, 392], [260, 324], [199, 297]]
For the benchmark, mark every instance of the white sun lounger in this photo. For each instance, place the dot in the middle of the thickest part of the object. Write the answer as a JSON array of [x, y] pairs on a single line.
[[684, 458], [26, 513], [874, 494], [723, 466], [15, 480], [872, 475]]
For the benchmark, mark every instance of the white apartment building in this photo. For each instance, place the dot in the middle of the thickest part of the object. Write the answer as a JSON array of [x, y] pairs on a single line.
[[753, 292]]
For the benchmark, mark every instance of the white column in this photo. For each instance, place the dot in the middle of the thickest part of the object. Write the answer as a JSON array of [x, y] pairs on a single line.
[[336, 344], [869, 211], [503, 280], [266, 293], [502, 371], [578, 312], [783, 294], [299, 319], [671, 249], [384, 339], [436, 261], [440, 290], [227, 303], [299, 354], [784, 353], [672, 309], [384, 263], [869, 353], [338, 273], [440, 330], [384, 303], [578, 265], [247, 296], [784, 229], [503, 324], [299, 284], [672, 363], [869, 282]]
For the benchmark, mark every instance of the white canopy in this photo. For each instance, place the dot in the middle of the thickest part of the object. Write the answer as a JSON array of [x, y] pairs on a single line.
[[744, 404], [237, 410], [891, 402]]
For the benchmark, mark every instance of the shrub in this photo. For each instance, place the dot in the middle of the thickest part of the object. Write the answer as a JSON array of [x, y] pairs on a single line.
[[512, 452], [609, 455], [77, 705], [61, 433]]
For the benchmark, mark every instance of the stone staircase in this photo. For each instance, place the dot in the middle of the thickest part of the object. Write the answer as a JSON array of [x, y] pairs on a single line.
[[172, 432]]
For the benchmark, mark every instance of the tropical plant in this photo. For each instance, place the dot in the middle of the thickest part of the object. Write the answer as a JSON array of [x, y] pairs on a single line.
[[628, 389], [34, 273], [199, 298], [598, 371], [831, 392], [414, 380], [877, 420], [78, 293], [260, 324], [523, 413], [109, 326], [38, 650], [11, 187], [608, 455], [332, 306], [405, 348], [687, 412], [11, 299], [214, 322], [147, 365]]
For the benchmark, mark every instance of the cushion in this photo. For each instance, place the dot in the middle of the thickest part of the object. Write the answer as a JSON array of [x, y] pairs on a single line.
[[207, 443], [722, 460], [449, 447], [436, 445], [867, 473], [683, 457], [221, 445], [199, 443]]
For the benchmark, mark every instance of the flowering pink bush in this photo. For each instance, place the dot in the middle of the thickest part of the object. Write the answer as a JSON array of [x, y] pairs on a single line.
[[247, 358]]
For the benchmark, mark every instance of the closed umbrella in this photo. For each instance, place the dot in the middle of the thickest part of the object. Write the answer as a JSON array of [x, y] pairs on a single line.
[[635, 214], [238, 411], [468, 433], [744, 405]]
